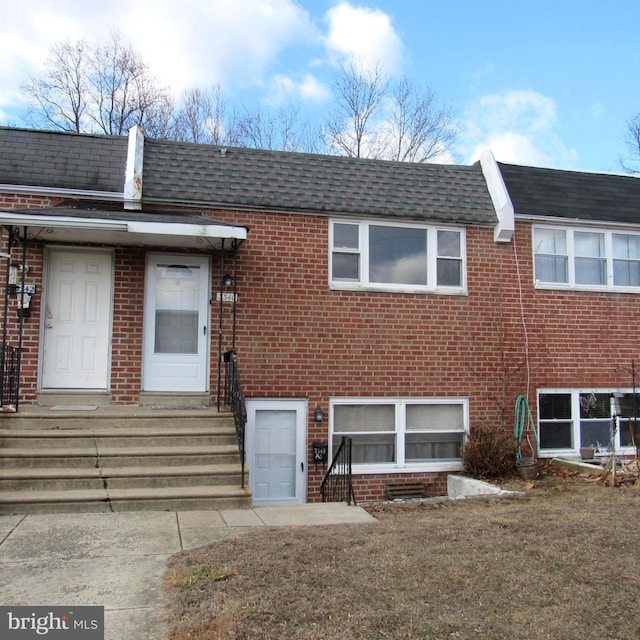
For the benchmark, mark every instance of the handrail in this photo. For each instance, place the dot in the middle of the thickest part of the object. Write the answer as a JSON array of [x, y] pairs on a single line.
[[337, 485], [234, 397]]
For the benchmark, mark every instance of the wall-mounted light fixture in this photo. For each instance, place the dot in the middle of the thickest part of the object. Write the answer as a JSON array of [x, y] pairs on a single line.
[[318, 414], [227, 280]]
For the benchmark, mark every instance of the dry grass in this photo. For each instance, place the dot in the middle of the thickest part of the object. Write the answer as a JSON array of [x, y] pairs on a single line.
[[562, 562]]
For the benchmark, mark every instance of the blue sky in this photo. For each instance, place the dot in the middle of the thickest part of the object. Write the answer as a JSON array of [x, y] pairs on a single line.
[[539, 82]]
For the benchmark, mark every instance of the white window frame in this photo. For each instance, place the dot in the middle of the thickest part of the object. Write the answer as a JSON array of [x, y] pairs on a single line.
[[363, 283], [571, 256], [575, 420], [400, 466]]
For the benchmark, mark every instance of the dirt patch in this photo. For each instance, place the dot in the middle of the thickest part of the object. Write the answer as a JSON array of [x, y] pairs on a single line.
[[560, 562]]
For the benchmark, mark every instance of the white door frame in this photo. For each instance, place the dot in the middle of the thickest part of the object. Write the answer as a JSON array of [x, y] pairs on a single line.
[[300, 406], [46, 320], [198, 366]]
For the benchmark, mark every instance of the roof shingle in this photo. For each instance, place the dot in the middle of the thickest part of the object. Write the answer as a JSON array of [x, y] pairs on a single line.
[[572, 194]]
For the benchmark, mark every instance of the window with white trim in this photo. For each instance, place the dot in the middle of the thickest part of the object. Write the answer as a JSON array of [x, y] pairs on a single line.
[[572, 418], [390, 433], [586, 259], [380, 255]]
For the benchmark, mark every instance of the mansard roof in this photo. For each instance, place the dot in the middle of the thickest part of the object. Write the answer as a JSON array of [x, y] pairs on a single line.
[[182, 173], [62, 160], [253, 178], [573, 195]]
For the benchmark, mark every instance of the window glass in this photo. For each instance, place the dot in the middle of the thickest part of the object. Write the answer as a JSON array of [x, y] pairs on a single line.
[[397, 255], [370, 448], [626, 260], [364, 417], [430, 417], [554, 406], [428, 447], [626, 246], [346, 266], [591, 264], [556, 435], [345, 236], [555, 431], [551, 261], [550, 241], [449, 244]]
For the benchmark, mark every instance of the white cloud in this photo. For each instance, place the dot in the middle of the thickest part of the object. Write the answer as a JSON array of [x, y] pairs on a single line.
[[286, 88], [519, 127], [365, 35], [199, 42], [186, 43]]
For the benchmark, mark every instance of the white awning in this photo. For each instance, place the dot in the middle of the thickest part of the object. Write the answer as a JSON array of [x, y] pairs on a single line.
[[146, 229]]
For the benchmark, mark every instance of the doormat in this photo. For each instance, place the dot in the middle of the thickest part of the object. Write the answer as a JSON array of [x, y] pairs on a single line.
[[74, 407]]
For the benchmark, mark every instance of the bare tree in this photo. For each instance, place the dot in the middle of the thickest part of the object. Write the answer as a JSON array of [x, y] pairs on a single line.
[[59, 98], [282, 130], [202, 118], [376, 118], [418, 129], [350, 128], [632, 139], [105, 89]]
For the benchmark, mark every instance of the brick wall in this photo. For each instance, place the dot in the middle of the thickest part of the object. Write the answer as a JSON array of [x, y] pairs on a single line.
[[298, 339]]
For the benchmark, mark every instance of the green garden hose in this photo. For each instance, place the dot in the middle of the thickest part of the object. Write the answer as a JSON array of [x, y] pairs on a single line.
[[523, 410]]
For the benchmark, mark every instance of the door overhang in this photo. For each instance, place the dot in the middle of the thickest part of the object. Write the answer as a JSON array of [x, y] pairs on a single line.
[[101, 225]]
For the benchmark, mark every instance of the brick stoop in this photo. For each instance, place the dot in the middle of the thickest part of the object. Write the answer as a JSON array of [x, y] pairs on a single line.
[[119, 459]]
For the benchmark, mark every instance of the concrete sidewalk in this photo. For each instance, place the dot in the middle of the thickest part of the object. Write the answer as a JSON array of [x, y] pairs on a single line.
[[117, 560]]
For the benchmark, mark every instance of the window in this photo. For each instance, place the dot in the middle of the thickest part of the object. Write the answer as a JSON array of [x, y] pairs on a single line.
[[391, 433], [386, 256], [570, 419], [586, 259]]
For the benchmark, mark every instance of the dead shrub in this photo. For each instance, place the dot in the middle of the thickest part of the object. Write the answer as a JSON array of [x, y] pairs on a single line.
[[489, 452]]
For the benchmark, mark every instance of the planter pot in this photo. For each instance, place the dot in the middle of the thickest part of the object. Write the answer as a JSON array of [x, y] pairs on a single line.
[[587, 453], [528, 469]]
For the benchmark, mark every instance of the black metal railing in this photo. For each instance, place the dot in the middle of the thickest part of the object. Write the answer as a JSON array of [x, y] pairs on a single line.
[[337, 485], [234, 398], [9, 377]]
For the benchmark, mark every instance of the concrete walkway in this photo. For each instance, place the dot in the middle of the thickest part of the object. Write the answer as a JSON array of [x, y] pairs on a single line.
[[117, 560]]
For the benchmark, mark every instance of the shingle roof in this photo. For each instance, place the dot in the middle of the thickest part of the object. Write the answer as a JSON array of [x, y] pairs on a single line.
[[183, 172], [62, 160], [177, 173], [573, 194]]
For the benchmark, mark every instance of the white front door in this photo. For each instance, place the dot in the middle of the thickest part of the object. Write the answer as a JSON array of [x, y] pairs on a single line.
[[77, 320], [276, 450], [176, 325]]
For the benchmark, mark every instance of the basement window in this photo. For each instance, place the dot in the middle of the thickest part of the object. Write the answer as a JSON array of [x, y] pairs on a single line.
[[401, 433], [572, 418]]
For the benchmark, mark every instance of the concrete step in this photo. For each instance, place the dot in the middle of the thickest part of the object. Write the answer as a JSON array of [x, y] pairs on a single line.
[[63, 479], [112, 417], [77, 459], [118, 457], [136, 499], [116, 437]]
